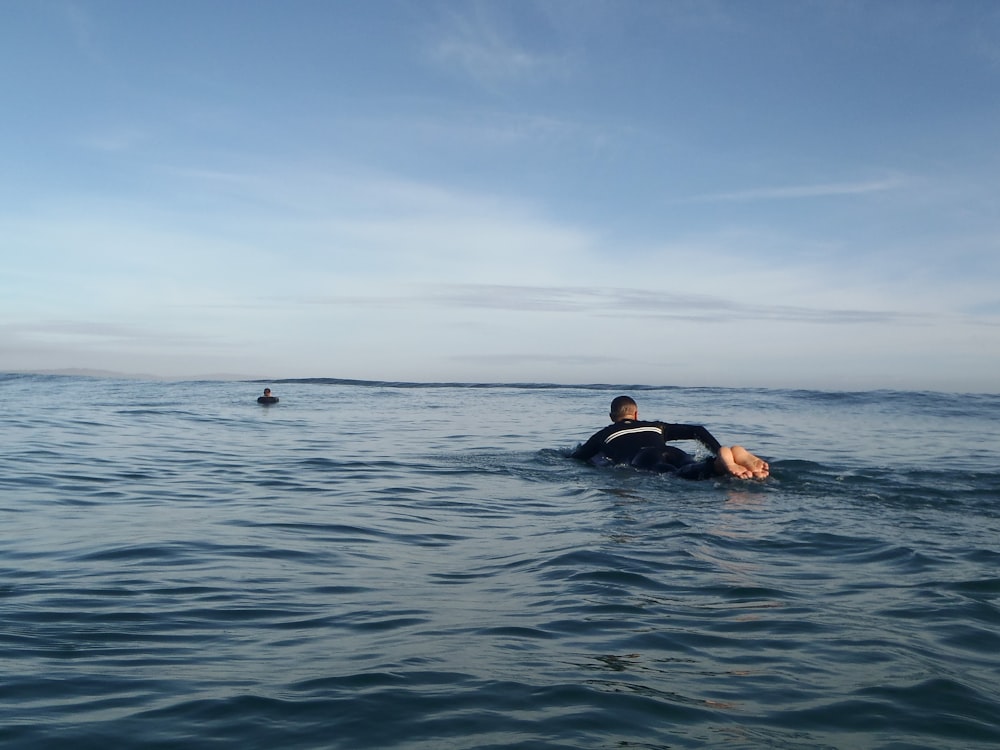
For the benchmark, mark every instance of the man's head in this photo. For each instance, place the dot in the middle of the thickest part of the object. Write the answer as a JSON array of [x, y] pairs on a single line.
[[267, 391], [623, 407]]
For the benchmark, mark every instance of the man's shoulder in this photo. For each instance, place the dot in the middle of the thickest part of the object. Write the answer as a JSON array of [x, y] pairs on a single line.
[[625, 425], [603, 431], [631, 426], [639, 424]]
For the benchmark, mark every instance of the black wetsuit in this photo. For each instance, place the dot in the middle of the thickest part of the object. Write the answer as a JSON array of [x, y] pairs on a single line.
[[644, 445]]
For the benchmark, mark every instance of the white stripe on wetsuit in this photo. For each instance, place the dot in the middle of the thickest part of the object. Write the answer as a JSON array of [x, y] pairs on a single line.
[[631, 431]]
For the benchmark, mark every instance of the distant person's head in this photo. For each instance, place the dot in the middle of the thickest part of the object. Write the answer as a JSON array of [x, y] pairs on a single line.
[[623, 407], [267, 391]]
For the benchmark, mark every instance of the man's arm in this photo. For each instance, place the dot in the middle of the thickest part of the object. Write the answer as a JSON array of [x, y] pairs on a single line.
[[591, 448], [691, 432]]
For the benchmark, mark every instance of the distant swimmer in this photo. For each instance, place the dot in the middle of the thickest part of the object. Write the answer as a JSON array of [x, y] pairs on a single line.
[[644, 445], [267, 398]]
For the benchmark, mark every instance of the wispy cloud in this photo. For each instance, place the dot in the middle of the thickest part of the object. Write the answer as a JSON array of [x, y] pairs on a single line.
[[819, 190], [473, 40], [625, 302], [89, 333], [529, 360], [116, 139], [82, 28]]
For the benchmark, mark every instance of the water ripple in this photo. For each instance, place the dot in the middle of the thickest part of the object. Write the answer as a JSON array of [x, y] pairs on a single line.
[[181, 568]]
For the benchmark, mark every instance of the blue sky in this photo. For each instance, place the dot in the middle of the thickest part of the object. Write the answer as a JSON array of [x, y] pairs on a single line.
[[776, 194]]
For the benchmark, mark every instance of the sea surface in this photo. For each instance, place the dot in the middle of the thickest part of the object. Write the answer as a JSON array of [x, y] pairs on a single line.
[[391, 565]]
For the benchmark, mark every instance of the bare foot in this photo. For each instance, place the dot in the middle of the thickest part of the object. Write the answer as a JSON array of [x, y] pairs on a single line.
[[757, 466], [760, 469], [726, 464], [747, 464]]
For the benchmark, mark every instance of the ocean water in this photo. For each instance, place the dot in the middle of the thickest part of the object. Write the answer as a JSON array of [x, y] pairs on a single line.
[[379, 565]]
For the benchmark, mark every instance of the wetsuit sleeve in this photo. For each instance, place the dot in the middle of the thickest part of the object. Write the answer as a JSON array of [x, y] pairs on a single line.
[[591, 448], [691, 432]]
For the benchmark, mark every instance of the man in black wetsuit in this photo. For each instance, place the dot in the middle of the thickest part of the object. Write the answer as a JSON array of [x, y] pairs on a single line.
[[644, 445], [267, 398]]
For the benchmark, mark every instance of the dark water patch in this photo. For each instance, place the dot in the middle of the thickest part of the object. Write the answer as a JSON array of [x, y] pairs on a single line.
[[162, 554], [934, 709], [975, 640], [987, 586]]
